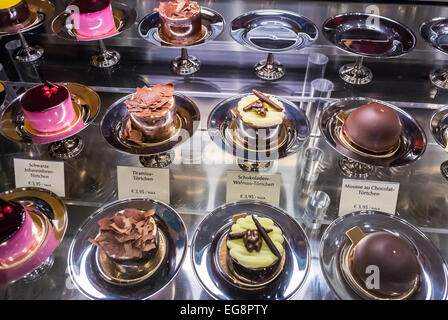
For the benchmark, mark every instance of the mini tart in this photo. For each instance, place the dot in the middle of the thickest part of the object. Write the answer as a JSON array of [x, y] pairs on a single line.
[[252, 118], [255, 266]]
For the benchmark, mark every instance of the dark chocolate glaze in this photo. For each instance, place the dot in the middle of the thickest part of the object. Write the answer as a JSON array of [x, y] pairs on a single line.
[[396, 260], [90, 6], [181, 31], [12, 222], [373, 127], [253, 274], [34, 99], [15, 17]]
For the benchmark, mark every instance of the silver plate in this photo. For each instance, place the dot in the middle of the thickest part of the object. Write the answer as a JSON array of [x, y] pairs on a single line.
[[124, 17], [435, 32], [221, 118], [413, 138], [369, 35], [81, 255], [213, 22], [273, 30], [117, 115], [297, 252], [12, 118], [439, 127], [434, 269], [43, 10]]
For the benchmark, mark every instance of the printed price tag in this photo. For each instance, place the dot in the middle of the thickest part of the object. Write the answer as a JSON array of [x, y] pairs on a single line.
[[134, 182], [359, 195], [253, 186], [42, 174]]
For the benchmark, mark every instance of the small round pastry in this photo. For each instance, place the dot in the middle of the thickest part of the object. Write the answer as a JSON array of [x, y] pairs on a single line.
[[373, 127], [17, 239], [92, 18], [152, 114], [180, 22], [395, 258], [48, 107], [255, 249], [14, 15], [257, 119]]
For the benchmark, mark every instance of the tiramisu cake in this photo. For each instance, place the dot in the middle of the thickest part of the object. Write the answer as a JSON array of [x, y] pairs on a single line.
[[180, 22], [152, 114], [14, 15]]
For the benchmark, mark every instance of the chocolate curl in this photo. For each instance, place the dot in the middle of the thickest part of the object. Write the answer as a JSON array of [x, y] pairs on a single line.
[[266, 238], [258, 107], [266, 99]]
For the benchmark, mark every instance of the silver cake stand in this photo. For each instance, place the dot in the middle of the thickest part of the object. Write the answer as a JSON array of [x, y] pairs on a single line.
[[434, 280], [124, 17], [366, 35], [435, 32], [86, 271], [355, 165], [222, 130], [212, 23], [158, 154], [43, 206], [439, 130], [205, 253], [65, 144], [273, 31], [41, 11]]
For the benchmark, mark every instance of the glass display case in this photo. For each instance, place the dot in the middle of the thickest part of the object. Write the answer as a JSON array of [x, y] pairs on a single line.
[[313, 57]]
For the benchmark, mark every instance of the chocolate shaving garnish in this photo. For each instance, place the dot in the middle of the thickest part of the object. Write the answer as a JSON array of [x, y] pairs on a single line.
[[240, 235], [178, 8], [266, 238], [266, 99]]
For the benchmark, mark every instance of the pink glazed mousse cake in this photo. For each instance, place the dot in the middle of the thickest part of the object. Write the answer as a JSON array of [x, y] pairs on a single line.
[[48, 107], [17, 239], [95, 17]]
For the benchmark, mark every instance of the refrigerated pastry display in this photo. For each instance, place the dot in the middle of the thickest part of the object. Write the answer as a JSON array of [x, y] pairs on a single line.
[[199, 166]]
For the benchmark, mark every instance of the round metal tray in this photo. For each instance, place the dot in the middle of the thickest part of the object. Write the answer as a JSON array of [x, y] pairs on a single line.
[[41, 11], [220, 120], [369, 35], [13, 124], [82, 253], [273, 30], [117, 115], [439, 127], [434, 269], [212, 21], [413, 138], [435, 32], [124, 17], [297, 252]]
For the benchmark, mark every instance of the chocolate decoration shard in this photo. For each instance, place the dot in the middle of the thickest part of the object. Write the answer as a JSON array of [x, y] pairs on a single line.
[[266, 238], [266, 99], [240, 235]]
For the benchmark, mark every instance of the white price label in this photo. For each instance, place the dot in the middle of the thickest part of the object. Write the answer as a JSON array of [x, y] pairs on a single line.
[[253, 186], [359, 195], [134, 182], [43, 174]]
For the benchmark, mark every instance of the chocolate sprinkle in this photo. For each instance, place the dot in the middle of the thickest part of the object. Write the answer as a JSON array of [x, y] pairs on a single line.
[[266, 238], [266, 99]]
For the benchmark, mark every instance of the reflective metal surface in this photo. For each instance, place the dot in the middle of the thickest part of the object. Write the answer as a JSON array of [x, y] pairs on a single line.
[[412, 143], [15, 127], [86, 274], [369, 35], [439, 127], [117, 115], [214, 225], [273, 30], [124, 17], [220, 126], [434, 272]]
